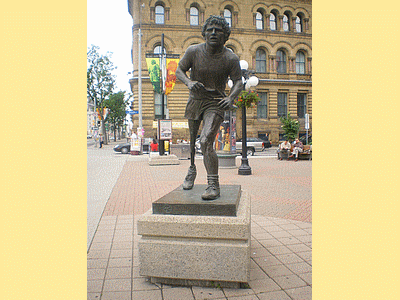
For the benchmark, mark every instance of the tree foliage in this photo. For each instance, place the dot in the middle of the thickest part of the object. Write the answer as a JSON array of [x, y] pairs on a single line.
[[290, 126], [116, 104], [100, 81]]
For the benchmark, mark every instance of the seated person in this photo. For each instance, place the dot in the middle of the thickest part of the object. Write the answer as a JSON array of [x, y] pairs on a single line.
[[154, 146], [283, 147], [298, 147]]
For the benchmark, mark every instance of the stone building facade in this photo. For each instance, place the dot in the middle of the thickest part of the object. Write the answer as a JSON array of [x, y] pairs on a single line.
[[274, 37]]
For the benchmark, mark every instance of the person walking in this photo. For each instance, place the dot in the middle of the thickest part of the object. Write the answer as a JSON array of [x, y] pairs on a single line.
[[101, 140]]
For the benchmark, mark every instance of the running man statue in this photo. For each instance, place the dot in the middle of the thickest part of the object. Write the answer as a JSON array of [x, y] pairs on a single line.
[[210, 65]]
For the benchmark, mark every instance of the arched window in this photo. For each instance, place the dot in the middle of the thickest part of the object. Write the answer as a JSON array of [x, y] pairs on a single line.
[[298, 24], [159, 12], [157, 50], [194, 16], [272, 21], [261, 61], [285, 23], [300, 63], [281, 61], [259, 21], [228, 16]]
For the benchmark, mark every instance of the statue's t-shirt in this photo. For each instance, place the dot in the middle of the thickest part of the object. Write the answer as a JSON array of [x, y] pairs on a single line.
[[213, 72]]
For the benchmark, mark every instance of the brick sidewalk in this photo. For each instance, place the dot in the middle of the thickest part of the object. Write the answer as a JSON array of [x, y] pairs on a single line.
[[280, 189], [281, 232]]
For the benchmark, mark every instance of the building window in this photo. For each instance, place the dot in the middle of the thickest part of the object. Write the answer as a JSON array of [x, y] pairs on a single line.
[[157, 50], [281, 61], [259, 21], [159, 11], [158, 105], [261, 61], [282, 104], [298, 24], [272, 21], [300, 63], [228, 16], [286, 23], [194, 16], [301, 105], [262, 106]]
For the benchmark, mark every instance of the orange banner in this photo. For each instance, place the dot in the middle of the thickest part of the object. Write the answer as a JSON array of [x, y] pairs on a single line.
[[172, 65]]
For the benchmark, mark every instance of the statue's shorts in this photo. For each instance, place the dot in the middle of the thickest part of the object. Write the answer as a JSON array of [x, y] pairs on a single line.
[[195, 108]]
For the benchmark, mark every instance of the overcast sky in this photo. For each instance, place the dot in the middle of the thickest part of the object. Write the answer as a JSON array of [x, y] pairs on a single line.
[[109, 26]]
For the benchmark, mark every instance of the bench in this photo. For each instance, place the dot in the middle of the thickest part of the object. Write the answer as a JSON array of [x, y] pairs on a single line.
[[306, 154]]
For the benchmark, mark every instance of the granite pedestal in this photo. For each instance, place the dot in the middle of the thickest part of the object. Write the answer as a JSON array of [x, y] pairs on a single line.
[[158, 160], [198, 250]]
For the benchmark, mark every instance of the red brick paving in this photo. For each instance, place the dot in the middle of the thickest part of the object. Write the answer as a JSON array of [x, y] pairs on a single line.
[[281, 189]]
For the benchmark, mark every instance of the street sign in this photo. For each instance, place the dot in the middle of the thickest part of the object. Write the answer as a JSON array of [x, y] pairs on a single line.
[[132, 112]]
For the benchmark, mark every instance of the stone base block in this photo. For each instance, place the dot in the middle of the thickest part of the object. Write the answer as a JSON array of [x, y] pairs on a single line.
[[157, 160], [196, 250], [227, 160], [189, 202]]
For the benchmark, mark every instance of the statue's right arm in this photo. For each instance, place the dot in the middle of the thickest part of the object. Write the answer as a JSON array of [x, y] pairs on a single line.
[[184, 65]]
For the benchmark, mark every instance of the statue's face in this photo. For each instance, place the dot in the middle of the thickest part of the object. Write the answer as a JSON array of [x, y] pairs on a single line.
[[214, 35]]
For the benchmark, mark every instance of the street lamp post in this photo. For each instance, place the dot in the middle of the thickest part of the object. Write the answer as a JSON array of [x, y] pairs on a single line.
[[248, 82], [140, 66]]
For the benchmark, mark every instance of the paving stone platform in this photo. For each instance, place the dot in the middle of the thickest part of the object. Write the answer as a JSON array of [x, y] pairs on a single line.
[[281, 232]]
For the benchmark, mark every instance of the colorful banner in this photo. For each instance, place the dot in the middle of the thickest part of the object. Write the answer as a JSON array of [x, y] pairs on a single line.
[[172, 65], [166, 75], [153, 65], [105, 113]]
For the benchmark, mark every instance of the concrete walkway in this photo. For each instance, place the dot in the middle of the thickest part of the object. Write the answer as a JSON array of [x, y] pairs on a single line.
[[281, 230], [103, 170]]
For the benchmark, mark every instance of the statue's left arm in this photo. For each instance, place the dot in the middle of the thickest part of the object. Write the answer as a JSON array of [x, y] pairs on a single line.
[[236, 77]]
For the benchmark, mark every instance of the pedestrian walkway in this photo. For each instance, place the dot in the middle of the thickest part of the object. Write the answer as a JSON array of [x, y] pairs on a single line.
[[103, 170], [281, 231]]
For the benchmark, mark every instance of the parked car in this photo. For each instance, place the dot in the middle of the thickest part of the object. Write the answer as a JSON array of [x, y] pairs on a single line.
[[267, 143], [124, 148], [89, 136], [253, 145]]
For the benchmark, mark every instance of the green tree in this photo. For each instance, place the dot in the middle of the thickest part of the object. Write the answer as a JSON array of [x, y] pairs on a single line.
[[290, 126], [100, 81], [116, 104]]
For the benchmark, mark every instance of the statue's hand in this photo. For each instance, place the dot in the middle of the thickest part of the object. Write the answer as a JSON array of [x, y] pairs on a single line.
[[226, 103], [195, 86]]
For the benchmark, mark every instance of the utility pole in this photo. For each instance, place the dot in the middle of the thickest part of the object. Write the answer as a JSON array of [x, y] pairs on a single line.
[[140, 67], [161, 142]]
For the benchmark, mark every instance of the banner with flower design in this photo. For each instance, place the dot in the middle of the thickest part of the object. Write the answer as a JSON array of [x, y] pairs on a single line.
[[162, 71]]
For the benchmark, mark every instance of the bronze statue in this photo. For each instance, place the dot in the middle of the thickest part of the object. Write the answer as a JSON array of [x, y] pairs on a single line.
[[210, 65]]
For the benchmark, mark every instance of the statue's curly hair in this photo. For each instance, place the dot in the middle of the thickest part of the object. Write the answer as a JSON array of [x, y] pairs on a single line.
[[218, 20]]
